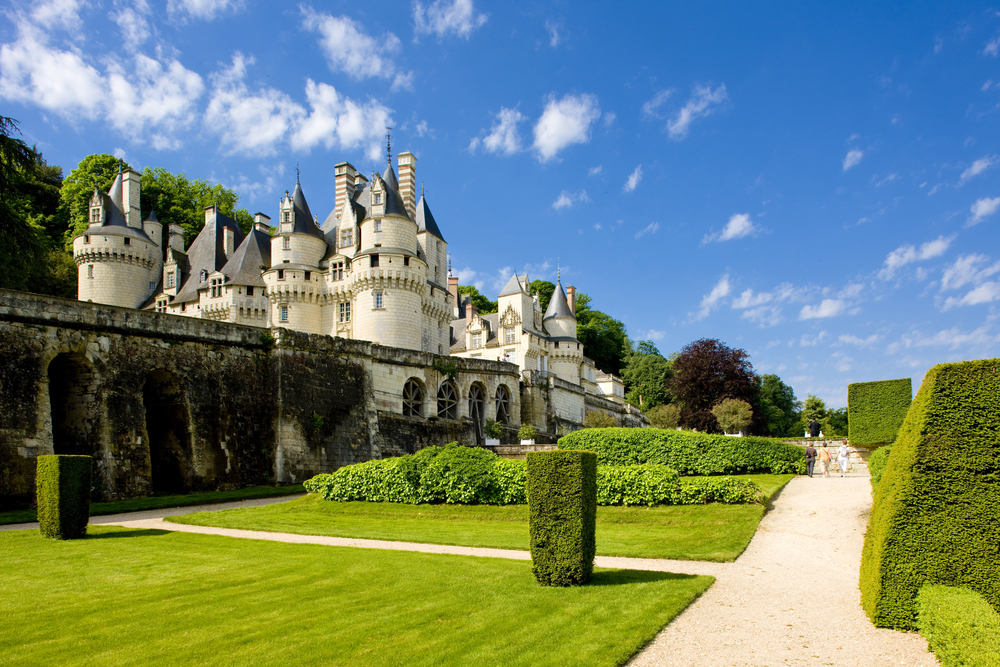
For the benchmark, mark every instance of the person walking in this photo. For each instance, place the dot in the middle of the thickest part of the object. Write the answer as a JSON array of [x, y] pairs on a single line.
[[824, 460], [810, 459], [814, 428], [844, 458]]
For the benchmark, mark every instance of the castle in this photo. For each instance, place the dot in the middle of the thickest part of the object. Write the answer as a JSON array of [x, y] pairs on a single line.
[[374, 270]]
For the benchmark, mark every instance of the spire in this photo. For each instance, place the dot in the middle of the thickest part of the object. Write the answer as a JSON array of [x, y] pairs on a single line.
[[388, 146], [296, 173], [449, 266]]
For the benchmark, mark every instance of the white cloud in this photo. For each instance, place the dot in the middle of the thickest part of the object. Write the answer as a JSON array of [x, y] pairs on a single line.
[[610, 118], [702, 102], [205, 10], [982, 208], [908, 254], [843, 363], [554, 36], [984, 293], [458, 17], [503, 137], [652, 107], [889, 178], [349, 49], [978, 167], [339, 122], [986, 86], [765, 316], [423, 130], [565, 122], [712, 300], [57, 15], [851, 339], [968, 269], [653, 334], [739, 226], [651, 228], [826, 308], [633, 180], [132, 23], [852, 158], [594, 171], [813, 341], [568, 199], [152, 95], [952, 338], [992, 47]]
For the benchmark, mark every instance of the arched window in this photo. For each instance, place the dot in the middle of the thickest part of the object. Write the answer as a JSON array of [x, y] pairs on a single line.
[[477, 401], [413, 399], [447, 399], [503, 404]]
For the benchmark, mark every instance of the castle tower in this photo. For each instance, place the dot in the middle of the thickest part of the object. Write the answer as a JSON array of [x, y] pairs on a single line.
[[119, 257], [560, 322]]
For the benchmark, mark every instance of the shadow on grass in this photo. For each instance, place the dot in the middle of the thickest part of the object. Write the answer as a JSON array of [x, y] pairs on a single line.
[[627, 577], [130, 532]]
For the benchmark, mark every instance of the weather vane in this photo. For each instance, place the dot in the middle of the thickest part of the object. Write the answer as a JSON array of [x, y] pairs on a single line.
[[388, 145]]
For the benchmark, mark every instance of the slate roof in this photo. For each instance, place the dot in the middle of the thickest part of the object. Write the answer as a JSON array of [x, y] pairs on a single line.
[[393, 201], [244, 267], [115, 223], [303, 221], [207, 252], [515, 285], [425, 220], [558, 305]]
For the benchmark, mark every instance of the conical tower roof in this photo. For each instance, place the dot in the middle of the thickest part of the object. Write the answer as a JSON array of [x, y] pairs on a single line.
[[558, 305], [393, 201], [514, 286], [303, 222], [425, 220]]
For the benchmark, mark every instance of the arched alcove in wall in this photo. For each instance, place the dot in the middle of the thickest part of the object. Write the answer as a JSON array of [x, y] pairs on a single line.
[[75, 405], [169, 434]]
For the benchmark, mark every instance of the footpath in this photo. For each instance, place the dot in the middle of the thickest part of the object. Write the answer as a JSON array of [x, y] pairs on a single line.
[[792, 598]]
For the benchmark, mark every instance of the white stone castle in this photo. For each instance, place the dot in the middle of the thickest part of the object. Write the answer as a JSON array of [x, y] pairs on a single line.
[[374, 270]]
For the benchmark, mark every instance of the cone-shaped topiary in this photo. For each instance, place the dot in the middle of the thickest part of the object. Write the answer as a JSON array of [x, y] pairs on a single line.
[[63, 491], [933, 520]]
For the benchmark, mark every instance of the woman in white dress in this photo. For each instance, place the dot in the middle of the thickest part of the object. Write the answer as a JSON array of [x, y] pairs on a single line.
[[843, 458]]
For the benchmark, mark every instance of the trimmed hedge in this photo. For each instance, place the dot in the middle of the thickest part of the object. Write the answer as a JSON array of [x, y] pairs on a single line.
[[960, 626], [876, 410], [62, 485], [876, 464], [688, 453], [933, 518], [562, 516]]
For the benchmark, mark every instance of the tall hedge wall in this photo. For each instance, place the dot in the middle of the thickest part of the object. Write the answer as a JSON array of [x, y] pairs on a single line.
[[934, 514], [63, 490], [562, 516], [876, 410], [686, 452]]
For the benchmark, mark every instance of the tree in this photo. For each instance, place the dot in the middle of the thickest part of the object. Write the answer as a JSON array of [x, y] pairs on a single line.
[[482, 304], [647, 375], [97, 170], [603, 337], [544, 289], [178, 200], [706, 372], [664, 416], [814, 407], [733, 415], [779, 406], [598, 419]]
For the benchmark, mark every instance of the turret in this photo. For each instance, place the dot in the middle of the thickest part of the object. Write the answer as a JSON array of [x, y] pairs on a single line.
[[559, 320]]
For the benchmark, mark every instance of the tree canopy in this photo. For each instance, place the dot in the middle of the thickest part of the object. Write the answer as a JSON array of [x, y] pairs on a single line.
[[708, 371], [603, 337], [778, 405], [544, 289], [646, 374], [482, 304]]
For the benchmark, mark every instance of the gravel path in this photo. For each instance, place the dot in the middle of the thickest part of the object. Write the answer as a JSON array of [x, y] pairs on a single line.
[[791, 599]]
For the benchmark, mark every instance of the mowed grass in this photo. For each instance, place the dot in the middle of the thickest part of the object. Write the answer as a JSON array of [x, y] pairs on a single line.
[[145, 597], [165, 501], [711, 532]]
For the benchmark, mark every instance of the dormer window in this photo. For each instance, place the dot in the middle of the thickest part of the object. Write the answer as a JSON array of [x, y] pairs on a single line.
[[378, 199], [347, 238], [286, 216], [95, 215], [216, 287], [337, 271], [203, 276], [477, 341], [170, 279]]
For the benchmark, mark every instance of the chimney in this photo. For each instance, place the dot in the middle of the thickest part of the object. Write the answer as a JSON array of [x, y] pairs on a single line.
[[453, 290], [262, 223], [209, 213], [228, 241], [571, 297], [345, 175], [360, 181], [408, 182], [130, 198], [470, 309], [176, 237]]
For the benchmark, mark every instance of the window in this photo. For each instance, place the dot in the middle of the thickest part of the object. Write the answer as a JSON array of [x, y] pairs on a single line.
[[503, 404], [447, 401], [284, 313], [346, 238], [511, 336], [127, 241], [250, 291], [90, 270], [95, 216], [345, 311], [308, 275], [286, 243], [337, 271], [378, 300], [374, 261], [86, 239], [413, 399], [216, 287], [152, 286], [406, 261], [281, 274], [170, 279], [378, 199], [286, 216], [378, 225], [477, 403], [477, 341], [161, 306], [203, 276]]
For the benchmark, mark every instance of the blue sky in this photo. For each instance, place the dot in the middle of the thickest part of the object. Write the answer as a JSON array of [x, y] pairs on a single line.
[[819, 186]]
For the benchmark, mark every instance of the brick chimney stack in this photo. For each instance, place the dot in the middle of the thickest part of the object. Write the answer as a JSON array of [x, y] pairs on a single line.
[[453, 290], [408, 182], [571, 297], [345, 176]]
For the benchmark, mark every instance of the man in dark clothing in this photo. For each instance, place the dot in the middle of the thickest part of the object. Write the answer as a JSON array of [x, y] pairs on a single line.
[[810, 459], [814, 428]]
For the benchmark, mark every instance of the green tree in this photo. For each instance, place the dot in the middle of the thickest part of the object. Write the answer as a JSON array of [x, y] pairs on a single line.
[[732, 414], [665, 416], [97, 170], [707, 371], [603, 337], [482, 304], [544, 289], [779, 406], [814, 407], [647, 375], [598, 419], [178, 200]]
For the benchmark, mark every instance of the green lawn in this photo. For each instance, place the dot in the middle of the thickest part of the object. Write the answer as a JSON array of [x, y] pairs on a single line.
[[692, 532], [161, 502], [128, 597]]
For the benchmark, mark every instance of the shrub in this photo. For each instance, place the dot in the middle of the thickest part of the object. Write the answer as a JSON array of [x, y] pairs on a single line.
[[959, 625], [527, 432], [933, 518], [562, 511], [63, 492], [686, 452], [664, 416], [493, 429], [875, 410], [728, 490], [637, 485], [458, 475], [733, 415], [876, 464], [598, 419]]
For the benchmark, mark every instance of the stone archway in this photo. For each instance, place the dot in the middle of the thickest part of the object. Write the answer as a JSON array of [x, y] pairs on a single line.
[[166, 410], [75, 406]]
